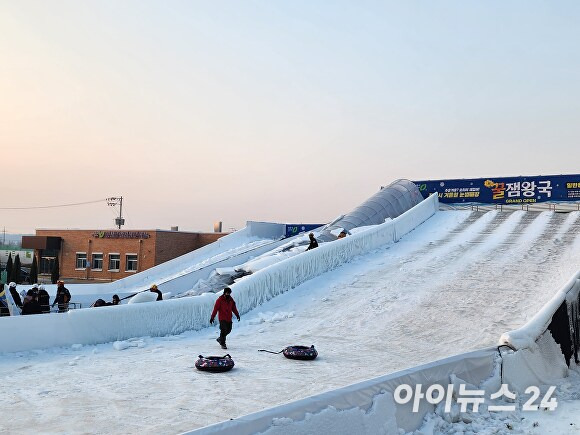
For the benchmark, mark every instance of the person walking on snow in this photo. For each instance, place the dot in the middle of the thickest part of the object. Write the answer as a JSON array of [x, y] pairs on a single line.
[[224, 306]]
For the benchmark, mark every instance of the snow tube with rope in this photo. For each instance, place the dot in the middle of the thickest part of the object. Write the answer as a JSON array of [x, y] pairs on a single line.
[[300, 352], [215, 363]]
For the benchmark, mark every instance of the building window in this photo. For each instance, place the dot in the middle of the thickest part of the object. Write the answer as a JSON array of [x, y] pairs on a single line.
[[98, 261], [114, 262], [46, 264], [131, 263], [81, 262]]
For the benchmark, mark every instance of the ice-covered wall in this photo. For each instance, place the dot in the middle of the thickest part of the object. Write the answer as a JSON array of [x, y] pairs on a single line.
[[174, 316], [367, 407], [281, 277], [540, 352]]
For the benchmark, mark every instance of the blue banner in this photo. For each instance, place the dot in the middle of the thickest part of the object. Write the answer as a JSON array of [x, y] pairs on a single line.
[[295, 229], [502, 190]]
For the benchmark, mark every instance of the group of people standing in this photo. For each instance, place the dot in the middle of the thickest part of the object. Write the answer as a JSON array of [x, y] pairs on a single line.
[[36, 300]]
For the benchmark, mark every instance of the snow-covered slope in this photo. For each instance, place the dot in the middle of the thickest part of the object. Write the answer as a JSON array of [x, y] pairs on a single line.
[[106, 324], [454, 284]]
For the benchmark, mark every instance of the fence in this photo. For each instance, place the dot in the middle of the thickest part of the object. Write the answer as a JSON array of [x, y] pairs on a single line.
[[563, 207]]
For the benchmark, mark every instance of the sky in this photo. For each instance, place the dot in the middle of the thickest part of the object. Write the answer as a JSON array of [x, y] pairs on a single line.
[[294, 112]]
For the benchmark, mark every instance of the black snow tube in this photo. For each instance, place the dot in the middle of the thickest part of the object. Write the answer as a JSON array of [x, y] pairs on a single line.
[[215, 363], [300, 352]]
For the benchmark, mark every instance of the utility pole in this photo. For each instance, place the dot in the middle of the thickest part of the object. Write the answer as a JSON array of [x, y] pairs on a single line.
[[113, 201]]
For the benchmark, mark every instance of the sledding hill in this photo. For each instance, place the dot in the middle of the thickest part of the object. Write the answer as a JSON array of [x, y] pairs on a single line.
[[454, 284]]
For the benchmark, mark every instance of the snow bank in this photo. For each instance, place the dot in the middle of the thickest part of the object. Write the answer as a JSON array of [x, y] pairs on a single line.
[[106, 324], [365, 407], [174, 316], [541, 365], [142, 297]]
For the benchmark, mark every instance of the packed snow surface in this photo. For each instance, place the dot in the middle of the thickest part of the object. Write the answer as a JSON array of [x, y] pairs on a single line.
[[454, 284]]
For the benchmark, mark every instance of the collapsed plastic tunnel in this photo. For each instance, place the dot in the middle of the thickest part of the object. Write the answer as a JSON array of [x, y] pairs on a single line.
[[389, 202]]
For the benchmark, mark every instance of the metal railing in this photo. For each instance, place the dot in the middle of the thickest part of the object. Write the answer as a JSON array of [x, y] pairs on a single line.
[[560, 207], [47, 309]]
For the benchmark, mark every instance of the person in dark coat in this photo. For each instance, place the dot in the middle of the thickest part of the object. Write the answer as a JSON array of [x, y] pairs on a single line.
[[43, 299], [313, 243], [224, 306], [154, 289], [100, 303], [15, 295], [116, 300], [62, 297], [34, 289], [31, 305]]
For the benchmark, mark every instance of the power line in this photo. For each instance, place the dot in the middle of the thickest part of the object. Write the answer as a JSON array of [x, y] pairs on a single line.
[[53, 206]]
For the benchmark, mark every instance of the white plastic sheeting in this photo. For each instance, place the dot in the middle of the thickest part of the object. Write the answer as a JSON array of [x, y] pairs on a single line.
[[367, 407], [169, 317], [389, 202]]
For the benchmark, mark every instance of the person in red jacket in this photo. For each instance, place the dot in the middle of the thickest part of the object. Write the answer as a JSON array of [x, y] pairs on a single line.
[[224, 306]]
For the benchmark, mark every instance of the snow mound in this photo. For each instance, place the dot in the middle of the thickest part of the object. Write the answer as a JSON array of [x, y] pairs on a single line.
[[126, 344], [145, 296], [270, 317]]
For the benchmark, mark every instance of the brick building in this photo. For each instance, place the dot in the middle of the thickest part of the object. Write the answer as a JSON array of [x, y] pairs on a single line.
[[111, 254]]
